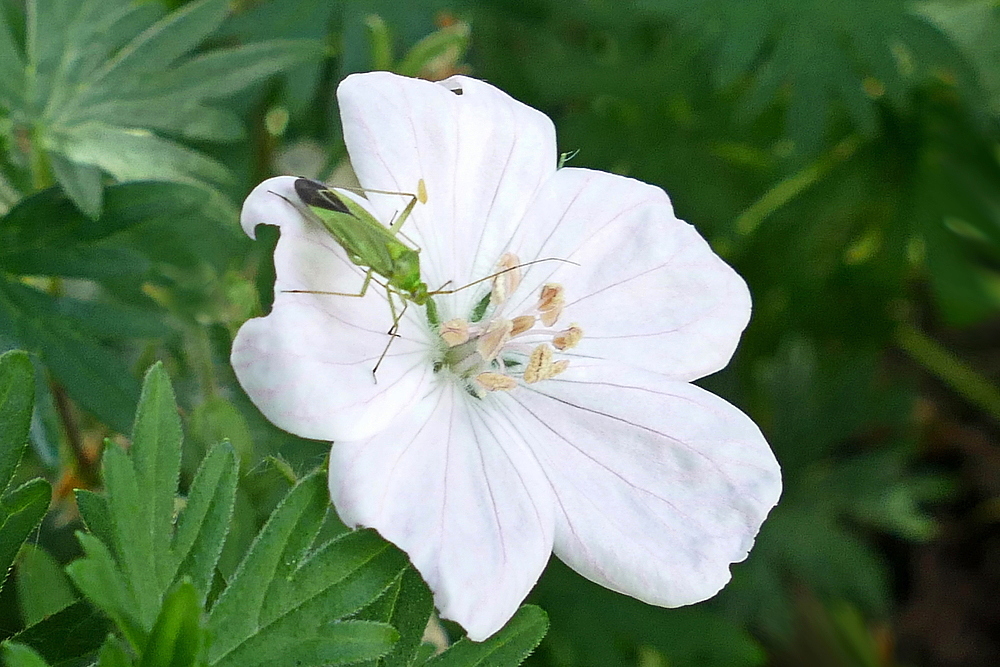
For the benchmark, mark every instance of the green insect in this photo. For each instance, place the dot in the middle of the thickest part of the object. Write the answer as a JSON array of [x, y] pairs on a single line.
[[371, 245]]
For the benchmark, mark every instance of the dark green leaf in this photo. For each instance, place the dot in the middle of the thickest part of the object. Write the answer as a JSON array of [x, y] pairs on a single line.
[[21, 510], [507, 648], [66, 636], [98, 578], [288, 644], [95, 514], [93, 376], [42, 586], [17, 396], [81, 182], [406, 605]]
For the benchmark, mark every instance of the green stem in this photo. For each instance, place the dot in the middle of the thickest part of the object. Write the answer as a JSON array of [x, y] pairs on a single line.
[[789, 188], [951, 370]]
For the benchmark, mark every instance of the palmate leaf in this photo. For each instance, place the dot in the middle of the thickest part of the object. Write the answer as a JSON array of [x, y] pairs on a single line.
[[507, 648], [287, 601], [96, 78], [852, 52]]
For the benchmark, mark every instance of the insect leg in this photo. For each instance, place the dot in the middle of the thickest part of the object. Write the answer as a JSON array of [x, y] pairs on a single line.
[[364, 288], [396, 317]]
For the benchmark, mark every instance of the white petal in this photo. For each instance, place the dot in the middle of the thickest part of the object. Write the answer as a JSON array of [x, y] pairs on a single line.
[[649, 291], [482, 155], [660, 485], [308, 365], [456, 489]]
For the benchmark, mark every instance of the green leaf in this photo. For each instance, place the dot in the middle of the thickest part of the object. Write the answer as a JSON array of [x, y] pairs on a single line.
[[507, 648], [406, 605], [141, 488], [204, 524], [96, 515], [94, 376], [284, 589], [113, 654], [17, 396], [99, 579], [21, 510], [178, 638], [42, 586], [289, 644], [19, 655], [83, 183], [66, 636]]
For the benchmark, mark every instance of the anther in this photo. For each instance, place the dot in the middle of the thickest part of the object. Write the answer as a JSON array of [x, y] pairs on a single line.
[[492, 341], [568, 338], [541, 367], [522, 324], [454, 332], [550, 303], [506, 282], [496, 381]]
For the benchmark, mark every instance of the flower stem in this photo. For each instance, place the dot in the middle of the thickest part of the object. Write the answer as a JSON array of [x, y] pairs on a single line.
[[951, 370]]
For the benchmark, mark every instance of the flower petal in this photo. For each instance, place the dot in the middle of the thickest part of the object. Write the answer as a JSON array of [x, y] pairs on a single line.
[[481, 154], [648, 292], [308, 365], [660, 484], [458, 491]]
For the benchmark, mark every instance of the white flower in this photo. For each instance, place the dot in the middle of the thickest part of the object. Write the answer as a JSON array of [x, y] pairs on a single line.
[[564, 420]]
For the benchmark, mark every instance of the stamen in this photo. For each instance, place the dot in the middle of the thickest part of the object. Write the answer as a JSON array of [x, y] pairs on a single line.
[[506, 282], [568, 338], [496, 381], [550, 303], [454, 332], [541, 367], [522, 324], [496, 336]]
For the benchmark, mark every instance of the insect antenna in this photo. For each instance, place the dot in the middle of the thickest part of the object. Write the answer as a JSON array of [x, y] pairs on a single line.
[[500, 273]]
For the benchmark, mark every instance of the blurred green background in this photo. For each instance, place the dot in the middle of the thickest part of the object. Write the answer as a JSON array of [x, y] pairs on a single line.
[[843, 157]]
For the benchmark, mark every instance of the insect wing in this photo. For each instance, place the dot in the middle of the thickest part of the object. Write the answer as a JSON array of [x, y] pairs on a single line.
[[364, 239]]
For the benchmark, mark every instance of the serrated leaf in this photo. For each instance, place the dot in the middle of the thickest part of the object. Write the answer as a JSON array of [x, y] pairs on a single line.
[[178, 638], [19, 655], [95, 514], [141, 488], [21, 510], [307, 590], [288, 644], [66, 636], [17, 397], [507, 648], [42, 586], [406, 605], [98, 578], [204, 524]]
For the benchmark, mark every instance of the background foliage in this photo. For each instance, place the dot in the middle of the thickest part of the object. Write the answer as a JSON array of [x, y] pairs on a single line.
[[844, 157]]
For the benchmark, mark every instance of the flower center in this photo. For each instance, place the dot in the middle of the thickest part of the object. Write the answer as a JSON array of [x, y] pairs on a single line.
[[496, 352]]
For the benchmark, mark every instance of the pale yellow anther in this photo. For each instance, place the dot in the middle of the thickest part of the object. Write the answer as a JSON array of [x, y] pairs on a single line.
[[422, 191], [540, 365], [550, 303], [505, 283], [492, 341], [522, 324], [454, 332], [568, 338], [496, 381]]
